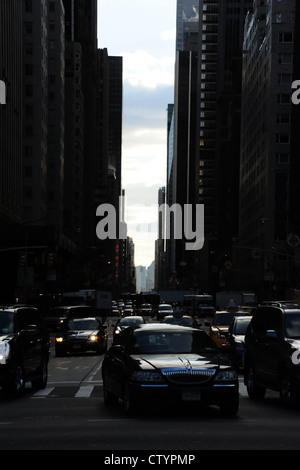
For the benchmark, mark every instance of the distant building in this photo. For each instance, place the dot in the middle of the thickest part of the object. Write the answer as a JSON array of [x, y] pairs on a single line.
[[141, 279]]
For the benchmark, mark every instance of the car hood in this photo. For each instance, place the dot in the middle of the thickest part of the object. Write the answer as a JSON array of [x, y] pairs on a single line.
[[178, 361], [6, 338]]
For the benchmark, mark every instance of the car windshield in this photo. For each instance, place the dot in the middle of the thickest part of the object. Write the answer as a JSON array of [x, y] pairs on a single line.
[[173, 342], [165, 307], [131, 321], [241, 326], [6, 323], [224, 318], [83, 325], [292, 325], [183, 321]]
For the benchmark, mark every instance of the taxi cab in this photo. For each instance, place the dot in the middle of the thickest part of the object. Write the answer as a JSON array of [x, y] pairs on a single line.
[[221, 322]]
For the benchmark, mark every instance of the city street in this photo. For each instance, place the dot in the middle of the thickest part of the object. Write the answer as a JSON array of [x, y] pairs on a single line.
[[70, 414]]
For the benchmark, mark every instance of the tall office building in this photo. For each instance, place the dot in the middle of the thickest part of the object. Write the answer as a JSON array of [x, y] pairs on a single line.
[[56, 114], [221, 26], [11, 137], [11, 112], [181, 138], [35, 141], [269, 228]]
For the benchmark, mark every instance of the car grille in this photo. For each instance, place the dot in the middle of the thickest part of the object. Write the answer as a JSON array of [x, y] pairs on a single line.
[[188, 376], [77, 339]]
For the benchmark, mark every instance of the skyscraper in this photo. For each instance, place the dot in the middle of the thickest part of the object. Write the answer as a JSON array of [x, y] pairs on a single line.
[[269, 228], [11, 136], [220, 54]]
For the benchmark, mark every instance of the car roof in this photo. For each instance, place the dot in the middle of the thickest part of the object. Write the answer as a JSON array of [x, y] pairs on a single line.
[[15, 308], [133, 317], [177, 318], [288, 304], [82, 319], [164, 327]]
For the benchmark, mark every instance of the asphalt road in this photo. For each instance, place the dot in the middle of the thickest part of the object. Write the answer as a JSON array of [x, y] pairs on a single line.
[[70, 415]]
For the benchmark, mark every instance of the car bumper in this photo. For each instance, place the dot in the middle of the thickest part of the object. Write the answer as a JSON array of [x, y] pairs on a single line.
[[216, 394]]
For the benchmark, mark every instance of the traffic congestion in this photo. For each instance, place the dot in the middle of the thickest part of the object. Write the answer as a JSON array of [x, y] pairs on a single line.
[[159, 353], [74, 365]]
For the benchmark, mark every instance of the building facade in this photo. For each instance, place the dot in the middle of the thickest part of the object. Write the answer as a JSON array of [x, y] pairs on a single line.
[[268, 159]]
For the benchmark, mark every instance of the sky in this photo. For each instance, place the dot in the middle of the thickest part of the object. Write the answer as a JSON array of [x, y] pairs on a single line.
[[143, 33]]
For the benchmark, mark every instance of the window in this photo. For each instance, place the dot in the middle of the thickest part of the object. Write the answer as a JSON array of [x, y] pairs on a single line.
[[284, 78], [283, 99], [285, 59], [283, 119], [282, 139], [286, 37]]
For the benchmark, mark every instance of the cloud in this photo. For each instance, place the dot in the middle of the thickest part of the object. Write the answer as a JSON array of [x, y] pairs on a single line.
[[142, 69], [145, 160]]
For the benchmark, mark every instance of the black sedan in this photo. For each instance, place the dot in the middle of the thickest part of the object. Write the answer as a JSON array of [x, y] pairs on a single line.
[[81, 335], [168, 364]]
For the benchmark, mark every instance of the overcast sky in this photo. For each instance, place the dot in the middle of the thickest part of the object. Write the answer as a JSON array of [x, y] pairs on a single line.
[[143, 33]]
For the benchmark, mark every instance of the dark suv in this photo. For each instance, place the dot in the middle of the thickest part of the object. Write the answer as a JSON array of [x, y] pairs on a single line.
[[272, 352], [24, 349]]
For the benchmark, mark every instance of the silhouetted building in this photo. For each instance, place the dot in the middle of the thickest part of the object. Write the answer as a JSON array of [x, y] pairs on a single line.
[[268, 247]]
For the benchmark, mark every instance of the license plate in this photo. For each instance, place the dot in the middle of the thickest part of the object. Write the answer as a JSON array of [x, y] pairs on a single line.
[[191, 396], [76, 347]]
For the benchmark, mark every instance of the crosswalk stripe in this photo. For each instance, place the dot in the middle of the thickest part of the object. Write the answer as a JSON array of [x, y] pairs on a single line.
[[43, 393], [85, 391], [90, 391]]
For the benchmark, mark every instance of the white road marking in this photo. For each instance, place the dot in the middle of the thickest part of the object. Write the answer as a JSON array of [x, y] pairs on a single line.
[[43, 393], [85, 391]]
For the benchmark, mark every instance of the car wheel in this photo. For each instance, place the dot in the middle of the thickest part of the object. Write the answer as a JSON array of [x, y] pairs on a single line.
[[41, 382], [287, 392], [16, 386], [255, 391]]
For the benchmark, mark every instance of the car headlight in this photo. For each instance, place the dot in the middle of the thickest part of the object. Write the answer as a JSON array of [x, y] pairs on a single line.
[[226, 376], [93, 338], [4, 353], [147, 376], [59, 339]]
